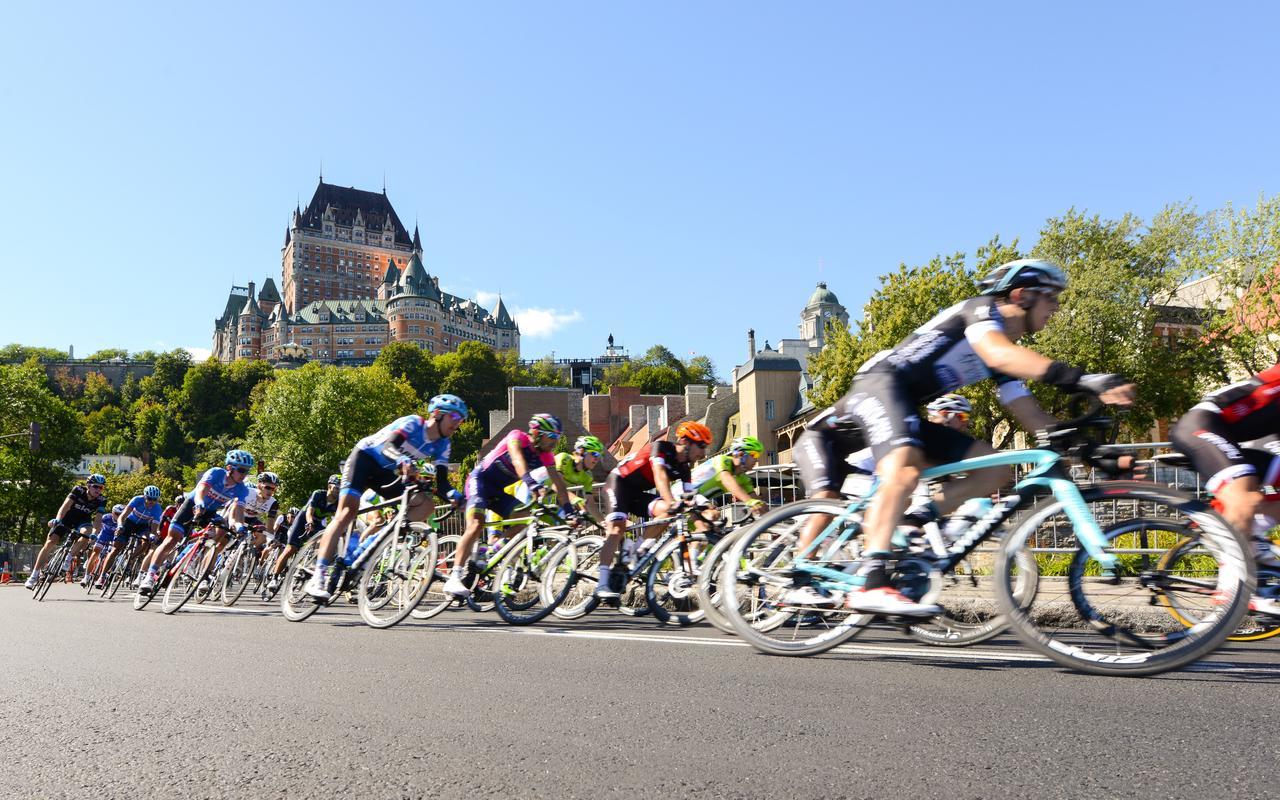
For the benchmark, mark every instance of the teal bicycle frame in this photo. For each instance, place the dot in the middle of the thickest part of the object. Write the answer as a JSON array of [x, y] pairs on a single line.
[[1047, 476]]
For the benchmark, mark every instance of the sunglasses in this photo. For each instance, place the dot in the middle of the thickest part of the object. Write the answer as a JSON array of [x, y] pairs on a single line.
[[550, 435], [240, 470], [455, 416], [963, 416], [270, 486]]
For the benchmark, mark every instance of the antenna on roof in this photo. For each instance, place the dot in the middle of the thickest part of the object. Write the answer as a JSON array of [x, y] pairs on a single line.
[[384, 182], [322, 170]]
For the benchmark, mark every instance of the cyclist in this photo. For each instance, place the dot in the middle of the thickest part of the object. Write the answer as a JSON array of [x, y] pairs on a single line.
[[103, 542], [643, 484], [512, 460], [966, 343], [140, 517], [81, 507], [218, 488], [574, 467], [260, 508], [730, 473], [385, 462], [305, 523], [1219, 436]]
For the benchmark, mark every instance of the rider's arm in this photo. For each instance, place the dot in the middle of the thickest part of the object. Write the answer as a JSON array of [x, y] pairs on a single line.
[[557, 480], [1000, 354], [65, 508], [520, 465], [661, 480], [442, 481], [1029, 414], [731, 485]]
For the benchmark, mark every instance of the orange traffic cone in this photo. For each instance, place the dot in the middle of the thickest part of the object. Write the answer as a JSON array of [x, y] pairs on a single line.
[[5, 574]]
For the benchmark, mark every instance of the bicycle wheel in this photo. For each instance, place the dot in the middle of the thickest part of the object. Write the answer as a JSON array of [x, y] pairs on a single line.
[[671, 590], [969, 610], [50, 574], [396, 575], [755, 593], [1115, 624], [520, 596], [239, 573], [295, 603], [710, 594], [434, 600], [187, 580], [572, 570], [1189, 559]]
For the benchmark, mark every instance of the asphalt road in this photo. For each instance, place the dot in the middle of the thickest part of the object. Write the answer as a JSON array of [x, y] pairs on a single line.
[[97, 700]]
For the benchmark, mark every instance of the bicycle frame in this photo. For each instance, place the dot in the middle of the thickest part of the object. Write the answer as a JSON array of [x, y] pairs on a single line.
[[1047, 476]]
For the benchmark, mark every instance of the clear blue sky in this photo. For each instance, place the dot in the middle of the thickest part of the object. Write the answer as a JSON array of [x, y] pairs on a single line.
[[667, 172]]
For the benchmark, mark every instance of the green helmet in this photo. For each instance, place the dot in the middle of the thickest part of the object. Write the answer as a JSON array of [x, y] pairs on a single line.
[[747, 444], [589, 444]]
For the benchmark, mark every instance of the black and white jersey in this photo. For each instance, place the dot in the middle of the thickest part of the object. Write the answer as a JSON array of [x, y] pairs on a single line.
[[938, 357]]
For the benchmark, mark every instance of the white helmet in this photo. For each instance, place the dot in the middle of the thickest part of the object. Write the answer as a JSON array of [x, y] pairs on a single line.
[[950, 404]]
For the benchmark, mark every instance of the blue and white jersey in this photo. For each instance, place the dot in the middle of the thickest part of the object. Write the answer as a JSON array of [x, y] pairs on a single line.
[[217, 494], [107, 534], [139, 511], [408, 435]]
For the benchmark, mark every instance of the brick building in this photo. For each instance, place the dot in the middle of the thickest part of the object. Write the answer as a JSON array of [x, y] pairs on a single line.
[[353, 280]]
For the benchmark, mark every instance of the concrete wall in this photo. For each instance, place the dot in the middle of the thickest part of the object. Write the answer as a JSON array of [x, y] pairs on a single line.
[[114, 372]]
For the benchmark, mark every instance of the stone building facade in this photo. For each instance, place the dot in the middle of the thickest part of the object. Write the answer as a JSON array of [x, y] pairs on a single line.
[[354, 280]]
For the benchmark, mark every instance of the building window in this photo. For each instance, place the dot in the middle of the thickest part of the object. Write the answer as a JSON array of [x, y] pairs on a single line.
[[769, 409]]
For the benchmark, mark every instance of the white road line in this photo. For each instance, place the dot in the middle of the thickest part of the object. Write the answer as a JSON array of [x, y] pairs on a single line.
[[225, 610], [923, 652]]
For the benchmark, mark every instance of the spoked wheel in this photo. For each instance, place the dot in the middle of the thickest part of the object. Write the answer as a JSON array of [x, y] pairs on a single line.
[[186, 583], [756, 590], [520, 596], [295, 603], [1188, 558], [572, 570], [967, 596], [671, 587], [51, 575], [238, 574], [397, 574], [434, 600], [710, 593], [1119, 623]]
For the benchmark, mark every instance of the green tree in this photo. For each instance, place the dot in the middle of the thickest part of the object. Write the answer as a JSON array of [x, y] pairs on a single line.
[[157, 434], [659, 371], [107, 431], [166, 379], [466, 442], [107, 354], [37, 481], [18, 353], [123, 487], [308, 419], [474, 373], [415, 365], [97, 393]]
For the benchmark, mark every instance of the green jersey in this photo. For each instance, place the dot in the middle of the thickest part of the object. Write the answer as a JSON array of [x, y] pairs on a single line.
[[579, 481], [706, 476]]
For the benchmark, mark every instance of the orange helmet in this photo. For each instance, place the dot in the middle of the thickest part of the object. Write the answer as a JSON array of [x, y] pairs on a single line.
[[694, 432]]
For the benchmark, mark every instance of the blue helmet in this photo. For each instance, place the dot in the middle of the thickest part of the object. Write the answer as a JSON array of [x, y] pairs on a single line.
[[1025, 272], [151, 492], [96, 480], [240, 458], [448, 402]]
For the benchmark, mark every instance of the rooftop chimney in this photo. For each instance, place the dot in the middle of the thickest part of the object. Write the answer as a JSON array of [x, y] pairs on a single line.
[[751, 343]]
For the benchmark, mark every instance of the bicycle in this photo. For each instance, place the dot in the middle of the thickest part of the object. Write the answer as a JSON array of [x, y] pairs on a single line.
[[62, 557], [1091, 619], [509, 578], [661, 582], [239, 564], [192, 572], [390, 567], [122, 569]]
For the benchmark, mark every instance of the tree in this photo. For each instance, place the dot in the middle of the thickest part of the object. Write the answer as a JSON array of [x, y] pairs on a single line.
[[166, 379], [36, 481], [1121, 273], [157, 434], [659, 371], [473, 373], [415, 365], [97, 393], [18, 353], [123, 487], [107, 354], [307, 420], [107, 431], [1241, 249]]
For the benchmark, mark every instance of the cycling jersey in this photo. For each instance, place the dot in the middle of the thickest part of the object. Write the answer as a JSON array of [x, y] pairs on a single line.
[[300, 529], [405, 439], [83, 507], [580, 481], [217, 494], [706, 476], [498, 463], [637, 469], [140, 511], [1212, 432], [165, 517], [258, 506], [107, 534], [938, 357]]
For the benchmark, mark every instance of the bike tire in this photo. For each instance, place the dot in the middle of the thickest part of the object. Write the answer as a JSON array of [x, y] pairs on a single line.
[[1182, 557], [966, 621], [239, 574], [753, 596], [434, 601], [295, 604], [401, 568], [670, 592], [49, 575], [572, 571], [709, 592], [185, 583], [1102, 625], [520, 596]]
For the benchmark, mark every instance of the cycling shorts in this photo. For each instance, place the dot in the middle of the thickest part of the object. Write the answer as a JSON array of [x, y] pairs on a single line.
[[105, 537], [1212, 445], [622, 498], [488, 493], [189, 516], [362, 471]]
